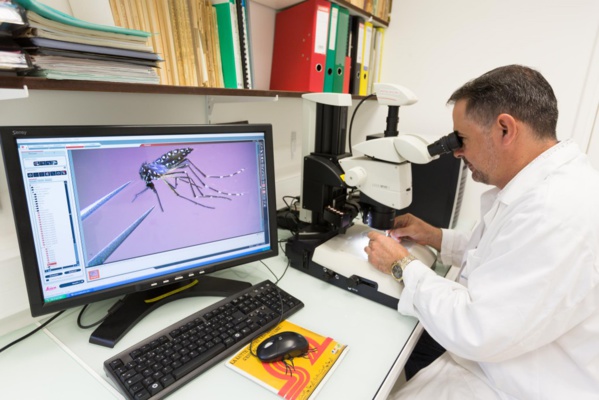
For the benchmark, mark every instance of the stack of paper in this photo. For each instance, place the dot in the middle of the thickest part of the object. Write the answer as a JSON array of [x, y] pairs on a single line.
[[63, 47], [12, 58]]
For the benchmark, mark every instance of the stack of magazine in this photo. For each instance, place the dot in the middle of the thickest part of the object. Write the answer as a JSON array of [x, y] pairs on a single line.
[[63, 47], [12, 58]]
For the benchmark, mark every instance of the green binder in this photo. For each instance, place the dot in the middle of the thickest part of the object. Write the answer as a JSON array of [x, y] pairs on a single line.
[[329, 71], [341, 49], [228, 37], [336, 49]]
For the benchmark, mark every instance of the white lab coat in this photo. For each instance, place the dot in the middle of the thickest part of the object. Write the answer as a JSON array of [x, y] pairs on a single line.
[[523, 321]]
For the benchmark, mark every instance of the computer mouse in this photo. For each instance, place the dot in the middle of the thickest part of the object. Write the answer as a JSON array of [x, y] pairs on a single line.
[[282, 346]]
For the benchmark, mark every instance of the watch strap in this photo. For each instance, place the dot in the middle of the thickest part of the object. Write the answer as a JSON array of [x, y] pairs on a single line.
[[399, 266]]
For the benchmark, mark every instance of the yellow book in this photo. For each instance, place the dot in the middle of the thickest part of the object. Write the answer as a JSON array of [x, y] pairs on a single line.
[[308, 374]]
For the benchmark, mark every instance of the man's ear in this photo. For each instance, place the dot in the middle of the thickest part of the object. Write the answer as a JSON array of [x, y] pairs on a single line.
[[509, 128]]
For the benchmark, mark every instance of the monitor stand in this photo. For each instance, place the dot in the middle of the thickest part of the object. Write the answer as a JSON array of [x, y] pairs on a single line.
[[137, 305]]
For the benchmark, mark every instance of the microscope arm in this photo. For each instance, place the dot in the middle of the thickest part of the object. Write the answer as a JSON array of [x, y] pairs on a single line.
[[384, 173]]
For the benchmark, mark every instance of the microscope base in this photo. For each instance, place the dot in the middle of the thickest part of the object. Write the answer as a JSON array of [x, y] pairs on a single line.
[[341, 261], [300, 253]]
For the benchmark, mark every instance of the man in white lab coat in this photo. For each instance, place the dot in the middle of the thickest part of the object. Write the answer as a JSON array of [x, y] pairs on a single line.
[[522, 322]]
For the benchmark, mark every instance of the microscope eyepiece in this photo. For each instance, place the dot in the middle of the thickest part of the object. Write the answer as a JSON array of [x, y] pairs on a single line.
[[446, 144]]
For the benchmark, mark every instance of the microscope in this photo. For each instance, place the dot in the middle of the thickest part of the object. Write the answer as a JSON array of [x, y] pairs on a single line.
[[330, 244]]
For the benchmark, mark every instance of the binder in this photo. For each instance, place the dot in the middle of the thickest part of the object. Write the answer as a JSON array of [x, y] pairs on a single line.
[[341, 49], [330, 68], [336, 49], [356, 43], [299, 51], [346, 75], [377, 57], [228, 37], [244, 42], [366, 50]]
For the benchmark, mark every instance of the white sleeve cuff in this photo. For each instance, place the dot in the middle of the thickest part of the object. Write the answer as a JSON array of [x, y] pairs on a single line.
[[413, 274]]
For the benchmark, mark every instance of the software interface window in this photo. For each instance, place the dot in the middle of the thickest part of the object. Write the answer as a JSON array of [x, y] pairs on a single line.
[[106, 211]]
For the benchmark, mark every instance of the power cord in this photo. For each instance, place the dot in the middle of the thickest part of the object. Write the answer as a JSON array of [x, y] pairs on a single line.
[[352, 119], [288, 217], [42, 326], [110, 311]]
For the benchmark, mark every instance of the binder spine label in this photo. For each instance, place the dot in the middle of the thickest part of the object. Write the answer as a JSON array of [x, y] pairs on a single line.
[[360, 43], [322, 26], [367, 48], [333, 30]]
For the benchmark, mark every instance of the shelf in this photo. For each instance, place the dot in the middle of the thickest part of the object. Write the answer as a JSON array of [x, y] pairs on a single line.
[[354, 10], [32, 83]]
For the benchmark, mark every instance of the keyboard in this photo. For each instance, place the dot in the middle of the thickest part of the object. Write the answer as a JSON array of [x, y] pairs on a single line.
[[160, 364]]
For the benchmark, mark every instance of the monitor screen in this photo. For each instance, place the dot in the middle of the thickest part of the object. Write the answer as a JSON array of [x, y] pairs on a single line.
[[103, 211]]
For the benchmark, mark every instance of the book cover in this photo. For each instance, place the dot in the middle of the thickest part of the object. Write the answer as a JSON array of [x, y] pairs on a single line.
[[308, 374]]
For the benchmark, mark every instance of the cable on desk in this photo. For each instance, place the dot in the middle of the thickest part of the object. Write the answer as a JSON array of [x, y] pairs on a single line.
[[288, 217], [42, 326], [111, 310], [277, 279], [252, 352]]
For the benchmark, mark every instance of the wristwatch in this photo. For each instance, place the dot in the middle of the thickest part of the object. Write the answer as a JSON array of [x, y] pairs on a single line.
[[398, 266]]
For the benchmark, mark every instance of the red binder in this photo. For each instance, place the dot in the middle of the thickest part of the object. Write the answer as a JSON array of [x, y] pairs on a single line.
[[347, 74], [299, 53]]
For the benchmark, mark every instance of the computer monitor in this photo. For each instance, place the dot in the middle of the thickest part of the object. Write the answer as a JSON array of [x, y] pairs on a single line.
[[141, 211]]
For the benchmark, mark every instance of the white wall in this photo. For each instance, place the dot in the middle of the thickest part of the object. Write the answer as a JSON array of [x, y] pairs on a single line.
[[431, 46]]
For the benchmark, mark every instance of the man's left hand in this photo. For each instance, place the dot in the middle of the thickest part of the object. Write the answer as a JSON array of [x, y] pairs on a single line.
[[383, 251]]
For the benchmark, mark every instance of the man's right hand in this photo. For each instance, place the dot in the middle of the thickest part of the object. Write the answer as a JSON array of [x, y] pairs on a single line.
[[408, 226]]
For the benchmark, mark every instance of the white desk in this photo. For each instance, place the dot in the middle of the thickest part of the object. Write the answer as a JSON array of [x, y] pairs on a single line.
[[59, 362]]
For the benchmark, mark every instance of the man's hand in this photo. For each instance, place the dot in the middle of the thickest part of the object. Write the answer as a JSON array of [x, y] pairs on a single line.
[[407, 226], [383, 251]]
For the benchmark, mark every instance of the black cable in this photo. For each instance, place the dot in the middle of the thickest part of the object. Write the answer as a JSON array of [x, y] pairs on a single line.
[[80, 316], [252, 352], [278, 279], [42, 326], [110, 311], [289, 206], [288, 218], [353, 116]]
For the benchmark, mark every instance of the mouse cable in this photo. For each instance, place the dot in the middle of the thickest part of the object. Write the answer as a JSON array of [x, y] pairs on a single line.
[[278, 278], [252, 352], [42, 326]]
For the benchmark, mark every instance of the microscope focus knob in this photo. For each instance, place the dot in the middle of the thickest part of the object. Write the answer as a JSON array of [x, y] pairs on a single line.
[[356, 176]]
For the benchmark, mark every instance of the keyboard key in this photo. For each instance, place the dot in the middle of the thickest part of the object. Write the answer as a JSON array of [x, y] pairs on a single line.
[[158, 364]]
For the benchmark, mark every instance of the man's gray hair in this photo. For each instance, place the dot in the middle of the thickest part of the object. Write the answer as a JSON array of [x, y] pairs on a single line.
[[516, 90]]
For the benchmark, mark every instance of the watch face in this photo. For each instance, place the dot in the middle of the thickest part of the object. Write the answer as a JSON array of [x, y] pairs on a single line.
[[396, 271]]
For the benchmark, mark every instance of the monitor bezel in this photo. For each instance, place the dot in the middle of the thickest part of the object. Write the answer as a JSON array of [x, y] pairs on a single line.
[[16, 186]]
